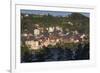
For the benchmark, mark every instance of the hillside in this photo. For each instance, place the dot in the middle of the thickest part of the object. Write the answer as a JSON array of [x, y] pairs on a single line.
[[79, 22]]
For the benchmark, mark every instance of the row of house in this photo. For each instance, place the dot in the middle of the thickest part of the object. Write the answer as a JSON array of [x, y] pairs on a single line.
[[53, 40], [38, 40]]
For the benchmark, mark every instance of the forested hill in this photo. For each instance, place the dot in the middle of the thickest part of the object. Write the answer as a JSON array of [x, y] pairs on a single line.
[[74, 21]]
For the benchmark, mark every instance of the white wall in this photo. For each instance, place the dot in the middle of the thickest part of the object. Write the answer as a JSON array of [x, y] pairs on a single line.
[[5, 34]]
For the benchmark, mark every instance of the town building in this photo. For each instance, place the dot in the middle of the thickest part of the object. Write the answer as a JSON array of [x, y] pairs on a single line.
[[51, 29], [33, 45], [36, 32]]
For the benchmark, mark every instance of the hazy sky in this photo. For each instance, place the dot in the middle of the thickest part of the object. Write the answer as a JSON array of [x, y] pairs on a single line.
[[54, 13]]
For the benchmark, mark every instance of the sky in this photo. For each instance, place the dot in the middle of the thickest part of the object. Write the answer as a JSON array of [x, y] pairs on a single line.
[[54, 13]]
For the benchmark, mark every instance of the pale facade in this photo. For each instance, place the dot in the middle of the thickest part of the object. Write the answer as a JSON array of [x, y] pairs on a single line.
[[59, 28], [36, 32], [24, 34], [70, 23], [51, 29], [32, 44]]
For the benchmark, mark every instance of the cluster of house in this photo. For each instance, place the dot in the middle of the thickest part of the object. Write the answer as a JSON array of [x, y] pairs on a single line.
[[39, 39]]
